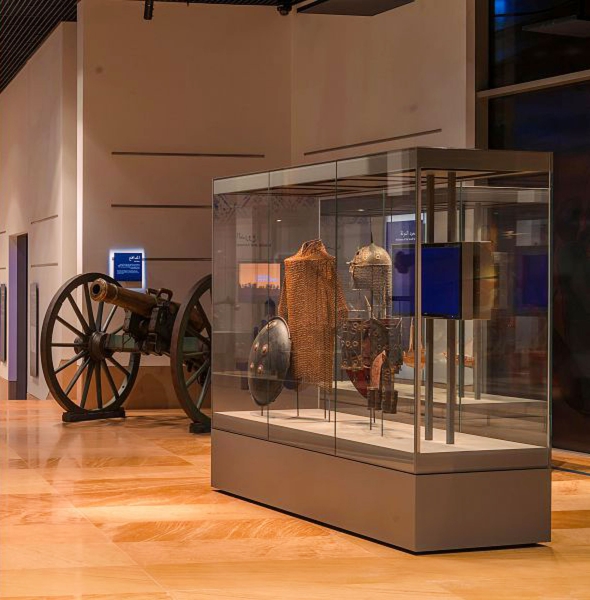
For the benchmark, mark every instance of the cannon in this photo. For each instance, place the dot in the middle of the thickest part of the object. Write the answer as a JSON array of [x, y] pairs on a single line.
[[107, 345]]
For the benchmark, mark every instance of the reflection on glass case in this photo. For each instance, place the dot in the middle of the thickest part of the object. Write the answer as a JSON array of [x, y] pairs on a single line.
[[381, 323]]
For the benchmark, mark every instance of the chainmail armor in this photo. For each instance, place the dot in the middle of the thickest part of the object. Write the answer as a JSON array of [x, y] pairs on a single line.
[[313, 303]]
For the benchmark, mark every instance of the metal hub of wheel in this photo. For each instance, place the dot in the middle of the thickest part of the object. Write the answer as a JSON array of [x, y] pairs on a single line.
[[97, 346]]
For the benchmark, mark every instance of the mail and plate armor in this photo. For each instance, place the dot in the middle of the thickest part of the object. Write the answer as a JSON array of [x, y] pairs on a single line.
[[269, 361], [362, 341]]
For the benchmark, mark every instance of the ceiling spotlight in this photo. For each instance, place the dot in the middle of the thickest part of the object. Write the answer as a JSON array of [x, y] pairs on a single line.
[[284, 7], [148, 10]]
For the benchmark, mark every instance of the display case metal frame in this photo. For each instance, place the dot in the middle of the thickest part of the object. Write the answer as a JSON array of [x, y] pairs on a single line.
[[436, 502]]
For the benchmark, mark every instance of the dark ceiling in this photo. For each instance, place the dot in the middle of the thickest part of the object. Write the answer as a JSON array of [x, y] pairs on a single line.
[[24, 25]]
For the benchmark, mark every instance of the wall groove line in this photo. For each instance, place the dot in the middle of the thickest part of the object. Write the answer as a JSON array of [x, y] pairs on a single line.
[[188, 154], [36, 221], [372, 142], [176, 259], [171, 206]]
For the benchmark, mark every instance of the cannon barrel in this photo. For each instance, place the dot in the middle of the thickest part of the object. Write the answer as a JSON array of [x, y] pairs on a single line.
[[135, 302]]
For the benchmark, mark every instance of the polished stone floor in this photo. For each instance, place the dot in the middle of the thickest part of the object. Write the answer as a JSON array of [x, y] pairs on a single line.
[[124, 510]]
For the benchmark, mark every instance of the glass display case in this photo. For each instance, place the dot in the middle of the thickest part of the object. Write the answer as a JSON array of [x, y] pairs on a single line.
[[382, 323]]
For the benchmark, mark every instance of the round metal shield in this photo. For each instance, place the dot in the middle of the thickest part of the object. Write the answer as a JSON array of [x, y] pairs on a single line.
[[269, 362]]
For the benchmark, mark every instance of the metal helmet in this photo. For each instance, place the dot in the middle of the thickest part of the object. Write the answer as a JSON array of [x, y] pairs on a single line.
[[269, 361], [371, 269]]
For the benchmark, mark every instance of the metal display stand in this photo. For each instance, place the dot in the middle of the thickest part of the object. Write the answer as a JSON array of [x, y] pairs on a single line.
[[451, 324], [429, 333]]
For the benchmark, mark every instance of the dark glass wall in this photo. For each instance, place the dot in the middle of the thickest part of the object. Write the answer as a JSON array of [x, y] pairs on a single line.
[[558, 120], [529, 39]]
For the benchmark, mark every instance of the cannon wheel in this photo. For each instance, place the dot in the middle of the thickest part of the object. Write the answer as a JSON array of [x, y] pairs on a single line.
[[190, 367], [89, 354]]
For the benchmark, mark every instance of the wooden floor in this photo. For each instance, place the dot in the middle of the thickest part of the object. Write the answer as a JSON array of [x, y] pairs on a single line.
[[124, 510]]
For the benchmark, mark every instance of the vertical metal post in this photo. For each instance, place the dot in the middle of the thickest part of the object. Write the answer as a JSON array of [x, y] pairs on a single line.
[[461, 370], [335, 359], [550, 318], [478, 355], [451, 325], [418, 318], [429, 333]]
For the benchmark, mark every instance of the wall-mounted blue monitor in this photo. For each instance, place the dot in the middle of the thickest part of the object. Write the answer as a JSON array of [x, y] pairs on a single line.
[[441, 280], [458, 280]]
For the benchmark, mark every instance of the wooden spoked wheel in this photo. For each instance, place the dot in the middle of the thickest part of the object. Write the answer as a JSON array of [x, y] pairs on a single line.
[[190, 354], [93, 378]]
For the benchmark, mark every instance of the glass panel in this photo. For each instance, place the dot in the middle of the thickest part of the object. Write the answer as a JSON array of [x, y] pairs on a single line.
[[245, 295], [531, 122], [374, 368], [302, 243], [487, 248], [534, 39]]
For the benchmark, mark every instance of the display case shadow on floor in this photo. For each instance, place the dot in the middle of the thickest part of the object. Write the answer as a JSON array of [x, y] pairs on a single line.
[[381, 345]]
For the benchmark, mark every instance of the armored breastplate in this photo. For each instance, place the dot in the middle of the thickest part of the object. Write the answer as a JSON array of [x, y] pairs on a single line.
[[361, 342]]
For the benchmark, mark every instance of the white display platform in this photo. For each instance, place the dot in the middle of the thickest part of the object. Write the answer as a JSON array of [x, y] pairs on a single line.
[[395, 436], [387, 443]]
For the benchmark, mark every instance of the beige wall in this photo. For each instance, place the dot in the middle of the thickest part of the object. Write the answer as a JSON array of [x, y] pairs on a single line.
[[359, 79], [197, 79], [37, 173], [202, 79]]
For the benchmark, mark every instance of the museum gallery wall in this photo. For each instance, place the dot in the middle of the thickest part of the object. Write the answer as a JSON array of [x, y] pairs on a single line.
[[275, 92]]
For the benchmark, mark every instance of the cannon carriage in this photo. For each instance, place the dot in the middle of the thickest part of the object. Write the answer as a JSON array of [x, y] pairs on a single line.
[[105, 329]]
